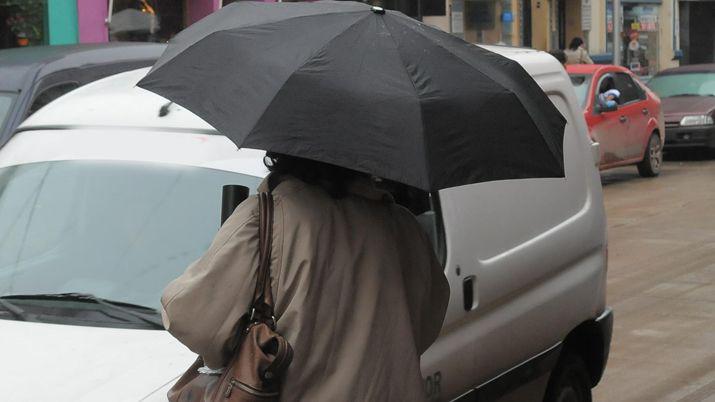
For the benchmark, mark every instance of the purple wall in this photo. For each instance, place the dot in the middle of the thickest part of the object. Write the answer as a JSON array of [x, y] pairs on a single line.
[[91, 15], [198, 9]]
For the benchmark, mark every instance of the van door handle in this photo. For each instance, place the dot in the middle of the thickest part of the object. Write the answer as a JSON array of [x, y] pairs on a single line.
[[645, 111], [623, 119], [468, 292]]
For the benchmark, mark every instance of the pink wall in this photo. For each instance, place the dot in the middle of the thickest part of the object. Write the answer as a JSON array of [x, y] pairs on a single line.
[[91, 15], [198, 9]]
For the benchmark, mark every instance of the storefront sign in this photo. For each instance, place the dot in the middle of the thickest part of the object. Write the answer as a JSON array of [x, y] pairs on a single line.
[[586, 15], [648, 23]]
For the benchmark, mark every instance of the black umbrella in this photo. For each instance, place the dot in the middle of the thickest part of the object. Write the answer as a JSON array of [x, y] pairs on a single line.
[[363, 88]]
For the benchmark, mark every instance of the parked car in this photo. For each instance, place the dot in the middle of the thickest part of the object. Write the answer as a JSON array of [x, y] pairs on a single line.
[[630, 131], [32, 77], [688, 98], [112, 191]]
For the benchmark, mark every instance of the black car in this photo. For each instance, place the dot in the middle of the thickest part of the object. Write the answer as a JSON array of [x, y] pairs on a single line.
[[31, 77]]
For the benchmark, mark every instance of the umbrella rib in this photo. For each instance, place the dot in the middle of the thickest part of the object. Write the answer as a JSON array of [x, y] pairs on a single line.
[[419, 102], [549, 143], [306, 61]]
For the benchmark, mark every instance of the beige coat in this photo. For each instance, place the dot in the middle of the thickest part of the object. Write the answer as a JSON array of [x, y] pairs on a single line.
[[359, 293], [578, 56]]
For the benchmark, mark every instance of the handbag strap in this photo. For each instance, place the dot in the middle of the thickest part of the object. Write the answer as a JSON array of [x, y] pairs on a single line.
[[262, 302]]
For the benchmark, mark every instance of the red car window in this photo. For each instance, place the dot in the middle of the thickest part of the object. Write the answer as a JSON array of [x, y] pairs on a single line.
[[629, 90]]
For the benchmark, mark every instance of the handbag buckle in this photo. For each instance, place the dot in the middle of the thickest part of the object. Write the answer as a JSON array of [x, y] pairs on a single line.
[[252, 318]]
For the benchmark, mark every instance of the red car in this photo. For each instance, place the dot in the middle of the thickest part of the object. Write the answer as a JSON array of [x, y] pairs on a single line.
[[630, 129]]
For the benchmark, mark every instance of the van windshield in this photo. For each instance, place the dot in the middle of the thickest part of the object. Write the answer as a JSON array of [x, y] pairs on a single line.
[[115, 230], [6, 101]]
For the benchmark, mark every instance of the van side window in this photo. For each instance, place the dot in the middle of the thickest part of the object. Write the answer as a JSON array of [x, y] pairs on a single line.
[[49, 94], [425, 207]]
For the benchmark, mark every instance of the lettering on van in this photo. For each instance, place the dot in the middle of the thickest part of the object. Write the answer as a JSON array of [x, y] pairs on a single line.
[[432, 386]]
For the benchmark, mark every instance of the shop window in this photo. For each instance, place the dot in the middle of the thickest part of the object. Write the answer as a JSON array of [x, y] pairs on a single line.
[[145, 20], [488, 21], [22, 23], [640, 38]]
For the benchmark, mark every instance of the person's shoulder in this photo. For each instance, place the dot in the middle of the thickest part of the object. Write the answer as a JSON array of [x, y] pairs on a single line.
[[244, 213], [288, 187], [404, 217], [401, 212]]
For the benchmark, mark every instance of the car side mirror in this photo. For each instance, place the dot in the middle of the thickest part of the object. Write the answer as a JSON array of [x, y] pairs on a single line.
[[233, 194]]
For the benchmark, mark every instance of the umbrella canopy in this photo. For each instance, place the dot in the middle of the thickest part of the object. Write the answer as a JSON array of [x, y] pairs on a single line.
[[363, 88]]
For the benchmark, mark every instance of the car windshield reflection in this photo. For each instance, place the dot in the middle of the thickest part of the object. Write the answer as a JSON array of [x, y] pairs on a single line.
[[691, 84], [117, 230]]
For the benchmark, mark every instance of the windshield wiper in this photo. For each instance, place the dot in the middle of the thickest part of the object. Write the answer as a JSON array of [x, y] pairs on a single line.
[[16, 311], [126, 308]]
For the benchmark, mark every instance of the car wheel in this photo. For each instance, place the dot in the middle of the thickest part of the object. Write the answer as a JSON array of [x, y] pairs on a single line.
[[653, 158], [569, 382]]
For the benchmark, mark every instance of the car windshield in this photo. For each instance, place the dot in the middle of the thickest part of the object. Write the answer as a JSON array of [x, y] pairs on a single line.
[[699, 84], [115, 230], [581, 84], [6, 101]]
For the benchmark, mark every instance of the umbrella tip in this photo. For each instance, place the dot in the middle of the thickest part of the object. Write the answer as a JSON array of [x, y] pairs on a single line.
[[378, 10]]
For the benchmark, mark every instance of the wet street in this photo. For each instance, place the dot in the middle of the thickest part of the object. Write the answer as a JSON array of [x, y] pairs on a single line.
[[661, 283]]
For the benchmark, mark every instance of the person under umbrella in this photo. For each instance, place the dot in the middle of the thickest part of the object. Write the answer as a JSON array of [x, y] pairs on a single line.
[[340, 93], [359, 293]]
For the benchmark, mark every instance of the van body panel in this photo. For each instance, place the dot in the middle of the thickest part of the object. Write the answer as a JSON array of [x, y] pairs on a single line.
[[535, 250]]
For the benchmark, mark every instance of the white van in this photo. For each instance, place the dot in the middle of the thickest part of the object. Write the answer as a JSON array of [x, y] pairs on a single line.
[[111, 191]]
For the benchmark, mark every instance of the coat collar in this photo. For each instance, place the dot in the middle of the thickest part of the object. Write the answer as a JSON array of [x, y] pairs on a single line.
[[362, 187]]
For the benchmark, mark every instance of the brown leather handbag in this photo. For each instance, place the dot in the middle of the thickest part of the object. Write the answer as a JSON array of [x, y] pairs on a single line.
[[261, 356]]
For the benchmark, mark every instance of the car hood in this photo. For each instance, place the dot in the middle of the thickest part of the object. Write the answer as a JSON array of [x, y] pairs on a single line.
[[48, 362], [675, 108]]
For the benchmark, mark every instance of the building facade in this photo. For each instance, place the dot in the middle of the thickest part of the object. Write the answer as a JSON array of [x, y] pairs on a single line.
[[697, 31], [55, 22], [651, 30]]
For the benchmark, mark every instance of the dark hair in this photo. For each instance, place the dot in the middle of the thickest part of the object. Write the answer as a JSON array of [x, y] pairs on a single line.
[[575, 43], [335, 180], [558, 55]]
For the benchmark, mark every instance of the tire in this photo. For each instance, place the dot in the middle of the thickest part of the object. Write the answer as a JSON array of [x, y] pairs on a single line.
[[569, 382], [653, 158]]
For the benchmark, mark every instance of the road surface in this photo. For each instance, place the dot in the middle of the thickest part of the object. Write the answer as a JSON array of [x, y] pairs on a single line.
[[661, 284]]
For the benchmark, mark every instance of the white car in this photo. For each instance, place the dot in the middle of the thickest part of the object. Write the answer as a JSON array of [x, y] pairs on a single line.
[[111, 191]]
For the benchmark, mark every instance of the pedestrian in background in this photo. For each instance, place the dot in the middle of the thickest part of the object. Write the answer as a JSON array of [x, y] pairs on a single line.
[[577, 53], [559, 55], [357, 288]]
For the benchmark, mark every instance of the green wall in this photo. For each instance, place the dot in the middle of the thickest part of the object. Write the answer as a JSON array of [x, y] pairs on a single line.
[[62, 21]]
